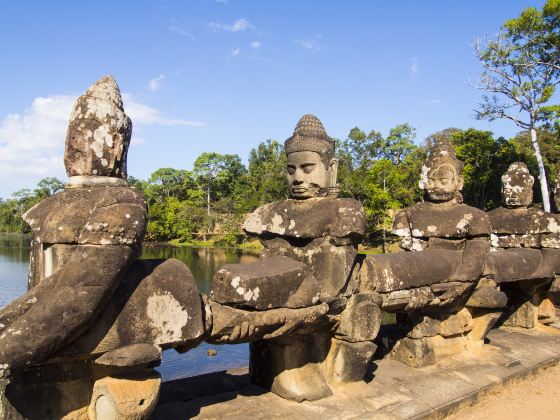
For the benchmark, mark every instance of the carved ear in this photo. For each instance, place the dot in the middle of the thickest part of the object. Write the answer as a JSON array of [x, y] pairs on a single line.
[[460, 182], [333, 172]]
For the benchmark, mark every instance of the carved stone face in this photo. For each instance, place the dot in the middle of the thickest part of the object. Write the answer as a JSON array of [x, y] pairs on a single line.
[[308, 176], [442, 183], [517, 189], [557, 194]]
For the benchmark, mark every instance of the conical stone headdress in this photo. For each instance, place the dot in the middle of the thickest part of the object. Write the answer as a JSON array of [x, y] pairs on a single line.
[[98, 133], [516, 175], [443, 152], [310, 135]]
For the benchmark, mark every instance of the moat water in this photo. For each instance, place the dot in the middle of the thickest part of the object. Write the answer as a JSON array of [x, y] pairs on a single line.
[[203, 262]]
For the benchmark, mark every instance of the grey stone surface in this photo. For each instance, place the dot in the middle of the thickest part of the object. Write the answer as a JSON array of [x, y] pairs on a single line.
[[396, 391], [268, 283], [98, 133]]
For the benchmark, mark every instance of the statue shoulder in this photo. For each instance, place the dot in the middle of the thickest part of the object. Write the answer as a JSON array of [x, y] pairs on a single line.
[[478, 220], [311, 218], [118, 216], [401, 223]]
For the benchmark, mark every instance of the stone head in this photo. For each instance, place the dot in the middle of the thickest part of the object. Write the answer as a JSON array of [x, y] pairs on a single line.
[[517, 186], [98, 133], [311, 166], [557, 193], [442, 178]]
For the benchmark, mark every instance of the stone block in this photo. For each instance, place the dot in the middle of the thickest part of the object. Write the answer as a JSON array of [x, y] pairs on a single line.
[[428, 350], [423, 326], [268, 283], [547, 312], [456, 324], [525, 315], [361, 319], [487, 297], [131, 397], [291, 369], [348, 362]]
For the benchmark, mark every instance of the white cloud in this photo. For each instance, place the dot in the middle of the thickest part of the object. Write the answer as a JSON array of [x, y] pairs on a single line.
[[238, 26], [235, 52], [414, 68], [175, 27], [155, 83], [222, 1], [311, 44], [255, 45], [32, 142], [141, 114], [433, 101]]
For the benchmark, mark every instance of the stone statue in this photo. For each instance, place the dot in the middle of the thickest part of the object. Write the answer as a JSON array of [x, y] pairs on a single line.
[[96, 218], [316, 235], [92, 324], [527, 240], [437, 289]]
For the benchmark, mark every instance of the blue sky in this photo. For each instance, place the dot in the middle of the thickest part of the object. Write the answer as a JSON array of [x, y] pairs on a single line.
[[207, 75]]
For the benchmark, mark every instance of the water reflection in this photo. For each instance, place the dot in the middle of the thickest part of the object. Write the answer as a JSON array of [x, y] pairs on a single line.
[[203, 262]]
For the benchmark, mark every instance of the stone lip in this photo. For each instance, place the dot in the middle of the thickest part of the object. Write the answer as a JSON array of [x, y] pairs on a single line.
[[397, 391], [312, 218]]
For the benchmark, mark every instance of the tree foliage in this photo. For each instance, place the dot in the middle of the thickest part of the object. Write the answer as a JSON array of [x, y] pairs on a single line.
[[520, 73]]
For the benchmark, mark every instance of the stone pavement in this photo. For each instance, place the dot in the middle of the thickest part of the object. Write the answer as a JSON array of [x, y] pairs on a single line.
[[395, 391]]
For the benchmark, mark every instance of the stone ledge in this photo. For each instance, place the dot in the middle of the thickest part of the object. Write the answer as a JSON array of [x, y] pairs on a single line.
[[396, 391]]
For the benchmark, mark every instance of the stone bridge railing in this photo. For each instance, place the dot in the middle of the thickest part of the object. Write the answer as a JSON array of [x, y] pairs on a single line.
[[84, 340]]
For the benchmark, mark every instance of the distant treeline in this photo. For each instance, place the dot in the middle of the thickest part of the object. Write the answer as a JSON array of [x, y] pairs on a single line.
[[211, 200]]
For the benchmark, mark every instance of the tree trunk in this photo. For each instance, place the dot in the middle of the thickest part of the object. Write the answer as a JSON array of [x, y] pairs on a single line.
[[208, 199], [542, 174]]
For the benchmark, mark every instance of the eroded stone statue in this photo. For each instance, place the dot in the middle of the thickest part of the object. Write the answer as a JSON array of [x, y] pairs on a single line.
[[310, 241], [94, 320], [437, 289], [526, 241]]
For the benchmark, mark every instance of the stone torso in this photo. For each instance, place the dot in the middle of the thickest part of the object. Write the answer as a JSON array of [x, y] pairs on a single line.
[[82, 216], [322, 233], [425, 225], [524, 227]]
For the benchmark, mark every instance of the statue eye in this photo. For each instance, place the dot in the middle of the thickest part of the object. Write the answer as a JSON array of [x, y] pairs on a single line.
[[291, 170], [308, 168]]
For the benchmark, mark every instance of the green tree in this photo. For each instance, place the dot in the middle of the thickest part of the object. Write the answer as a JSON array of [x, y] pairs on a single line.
[[486, 159], [47, 187], [265, 180], [217, 174], [520, 73]]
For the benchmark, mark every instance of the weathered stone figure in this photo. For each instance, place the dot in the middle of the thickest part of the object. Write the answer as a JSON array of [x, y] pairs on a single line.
[[96, 218], [527, 240], [434, 289], [93, 321], [318, 234]]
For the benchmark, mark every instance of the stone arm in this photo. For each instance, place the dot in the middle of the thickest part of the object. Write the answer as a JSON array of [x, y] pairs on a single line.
[[233, 325], [62, 306], [473, 260]]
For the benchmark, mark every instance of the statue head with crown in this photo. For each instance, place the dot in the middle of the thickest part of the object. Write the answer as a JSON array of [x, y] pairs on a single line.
[[311, 167], [442, 179]]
